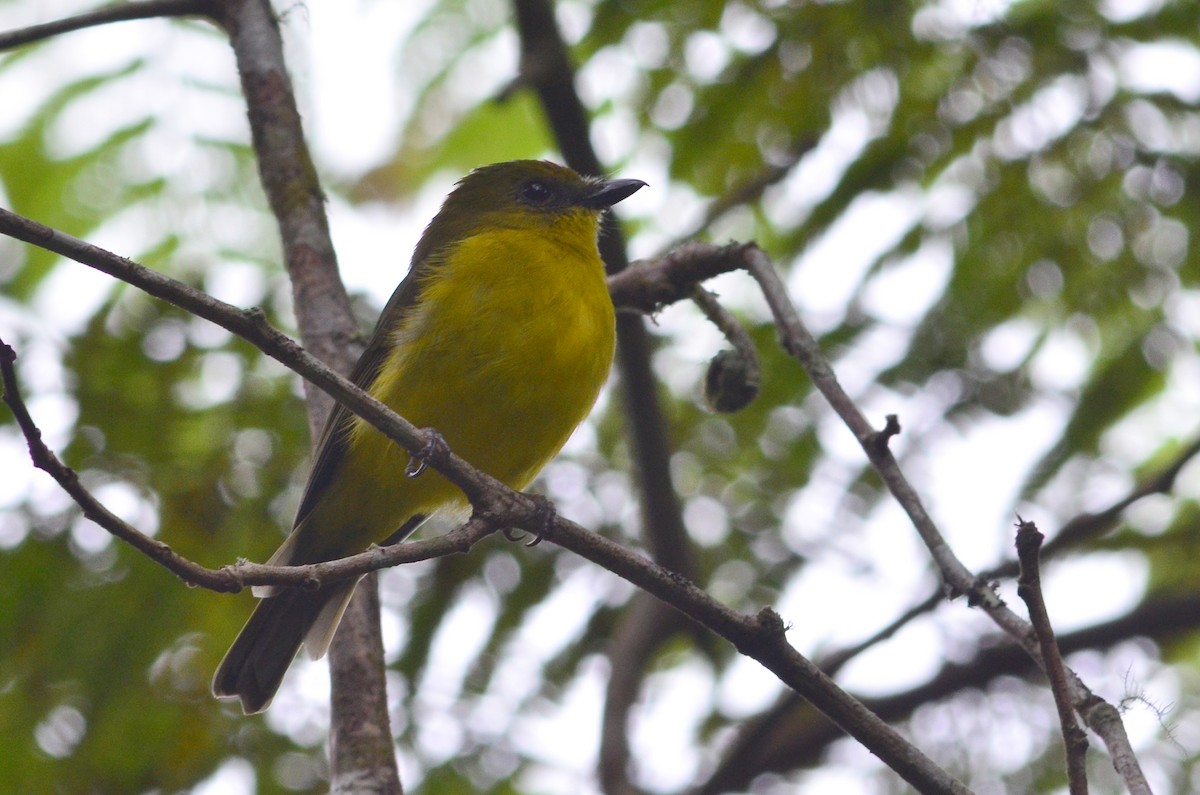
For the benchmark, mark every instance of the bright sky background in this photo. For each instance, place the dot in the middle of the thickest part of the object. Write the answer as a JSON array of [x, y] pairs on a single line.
[[354, 100]]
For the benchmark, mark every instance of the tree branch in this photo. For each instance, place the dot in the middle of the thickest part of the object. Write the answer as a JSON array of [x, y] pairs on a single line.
[[791, 735], [800, 343], [120, 12], [326, 322], [751, 752], [1029, 588], [762, 638], [1089, 525], [647, 286], [1074, 531], [362, 757], [493, 498]]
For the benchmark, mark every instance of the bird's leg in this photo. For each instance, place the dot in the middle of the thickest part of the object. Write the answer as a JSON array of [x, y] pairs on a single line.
[[433, 448]]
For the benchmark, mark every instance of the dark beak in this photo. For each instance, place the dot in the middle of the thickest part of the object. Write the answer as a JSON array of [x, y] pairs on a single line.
[[606, 194]]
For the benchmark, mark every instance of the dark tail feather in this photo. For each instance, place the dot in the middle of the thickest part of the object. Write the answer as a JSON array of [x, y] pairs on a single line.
[[260, 656]]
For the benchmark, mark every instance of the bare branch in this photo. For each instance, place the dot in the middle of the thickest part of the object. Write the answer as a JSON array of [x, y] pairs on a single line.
[[835, 661], [1159, 620], [120, 12], [1029, 588], [762, 638], [791, 735], [362, 753], [1077, 529], [800, 343], [92, 508], [1089, 525], [1104, 719], [327, 324]]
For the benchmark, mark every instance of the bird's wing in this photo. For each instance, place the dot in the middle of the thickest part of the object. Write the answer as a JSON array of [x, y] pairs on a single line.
[[331, 449]]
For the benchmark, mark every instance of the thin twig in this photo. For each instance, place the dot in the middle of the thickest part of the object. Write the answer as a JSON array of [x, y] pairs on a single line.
[[1085, 526], [67, 478], [1089, 525], [1074, 531], [733, 376], [1029, 588], [747, 192], [789, 736], [835, 661], [119, 12], [801, 344]]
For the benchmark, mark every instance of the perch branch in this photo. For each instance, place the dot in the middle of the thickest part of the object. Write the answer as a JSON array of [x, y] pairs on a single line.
[[235, 577], [1029, 588]]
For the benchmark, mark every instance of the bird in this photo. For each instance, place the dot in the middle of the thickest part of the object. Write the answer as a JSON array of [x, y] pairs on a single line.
[[500, 338]]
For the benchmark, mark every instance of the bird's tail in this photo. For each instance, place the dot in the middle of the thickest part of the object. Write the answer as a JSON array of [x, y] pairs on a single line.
[[259, 657]]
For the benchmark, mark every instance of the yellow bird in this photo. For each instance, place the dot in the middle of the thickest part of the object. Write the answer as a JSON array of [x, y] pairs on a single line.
[[500, 338]]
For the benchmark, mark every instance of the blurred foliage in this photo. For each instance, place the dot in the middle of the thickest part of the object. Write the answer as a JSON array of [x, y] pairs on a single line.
[[1040, 146]]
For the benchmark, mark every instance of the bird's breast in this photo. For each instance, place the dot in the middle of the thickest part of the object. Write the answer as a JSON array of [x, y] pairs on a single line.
[[510, 344]]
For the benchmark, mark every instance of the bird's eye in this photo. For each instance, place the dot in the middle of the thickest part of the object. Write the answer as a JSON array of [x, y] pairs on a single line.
[[536, 192]]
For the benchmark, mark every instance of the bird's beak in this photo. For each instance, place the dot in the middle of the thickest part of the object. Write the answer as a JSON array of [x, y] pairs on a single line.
[[606, 194]]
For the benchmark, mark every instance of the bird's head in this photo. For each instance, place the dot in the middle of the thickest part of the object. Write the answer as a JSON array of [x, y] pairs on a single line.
[[524, 194]]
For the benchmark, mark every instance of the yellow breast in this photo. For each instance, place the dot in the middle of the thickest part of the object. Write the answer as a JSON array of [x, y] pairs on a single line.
[[504, 354]]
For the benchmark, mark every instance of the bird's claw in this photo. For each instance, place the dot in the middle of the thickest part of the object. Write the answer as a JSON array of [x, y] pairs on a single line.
[[515, 534], [432, 448], [543, 518]]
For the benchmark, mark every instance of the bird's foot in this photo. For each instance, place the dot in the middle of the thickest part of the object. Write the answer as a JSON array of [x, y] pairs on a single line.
[[433, 448], [543, 518]]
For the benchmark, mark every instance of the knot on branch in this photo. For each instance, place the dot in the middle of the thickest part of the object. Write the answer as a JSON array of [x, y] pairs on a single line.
[[877, 444], [771, 623], [228, 579], [762, 634]]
